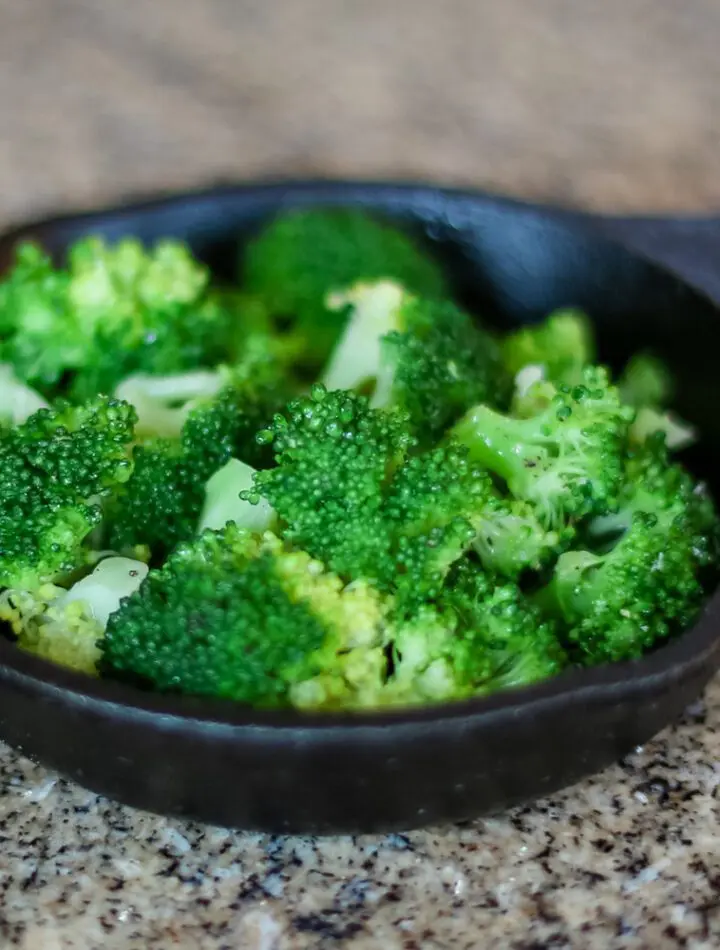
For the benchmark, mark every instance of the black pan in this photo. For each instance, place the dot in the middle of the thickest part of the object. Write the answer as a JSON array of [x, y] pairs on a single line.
[[224, 764]]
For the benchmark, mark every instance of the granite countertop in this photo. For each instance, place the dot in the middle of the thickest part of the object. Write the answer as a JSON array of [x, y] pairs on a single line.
[[609, 105]]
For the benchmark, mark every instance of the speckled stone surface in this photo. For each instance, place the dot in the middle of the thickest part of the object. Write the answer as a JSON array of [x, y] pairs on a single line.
[[627, 860], [609, 105]]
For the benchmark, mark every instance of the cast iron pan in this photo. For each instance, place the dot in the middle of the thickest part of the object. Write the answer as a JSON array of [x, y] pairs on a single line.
[[224, 764]]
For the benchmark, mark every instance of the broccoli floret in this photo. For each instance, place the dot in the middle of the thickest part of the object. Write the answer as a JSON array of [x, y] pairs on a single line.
[[334, 457], [563, 344], [303, 254], [645, 580], [242, 618], [17, 401], [424, 356], [646, 381], [162, 502], [163, 403], [112, 311], [482, 637], [54, 470], [347, 491], [509, 539], [65, 626], [566, 461]]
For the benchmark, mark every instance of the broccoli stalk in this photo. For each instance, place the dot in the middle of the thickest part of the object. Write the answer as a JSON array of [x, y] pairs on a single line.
[[426, 357]]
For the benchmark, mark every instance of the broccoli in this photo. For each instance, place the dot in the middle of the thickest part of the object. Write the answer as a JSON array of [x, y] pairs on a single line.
[[645, 580], [482, 637], [425, 356], [647, 383], [162, 502], [334, 456], [561, 345], [55, 468], [113, 311], [235, 616], [65, 626], [566, 461], [348, 490], [303, 254]]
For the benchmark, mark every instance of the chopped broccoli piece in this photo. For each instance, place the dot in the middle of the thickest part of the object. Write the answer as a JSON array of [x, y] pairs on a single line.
[[54, 469], [481, 638], [65, 626], [237, 617], [304, 254], [163, 403], [162, 502], [566, 461], [347, 492], [111, 312], [648, 581], [334, 456], [424, 356], [563, 344]]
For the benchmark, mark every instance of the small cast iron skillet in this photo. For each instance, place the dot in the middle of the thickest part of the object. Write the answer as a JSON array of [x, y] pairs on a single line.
[[224, 764]]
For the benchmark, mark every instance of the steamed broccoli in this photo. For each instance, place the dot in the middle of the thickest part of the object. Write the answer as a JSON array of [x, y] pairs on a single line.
[[55, 468], [303, 254], [237, 617], [65, 626], [162, 502], [565, 461], [112, 311], [646, 577], [482, 637], [349, 491], [424, 356], [562, 345], [405, 530]]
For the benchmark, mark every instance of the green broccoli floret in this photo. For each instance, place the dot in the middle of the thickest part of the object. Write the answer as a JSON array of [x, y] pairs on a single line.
[[482, 637], [161, 504], [424, 356], [509, 539], [112, 311], [334, 457], [348, 492], [54, 470], [562, 345], [65, 626], [566, 461], [303, 254], [237, 617], [645, 580], [647, 384]]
